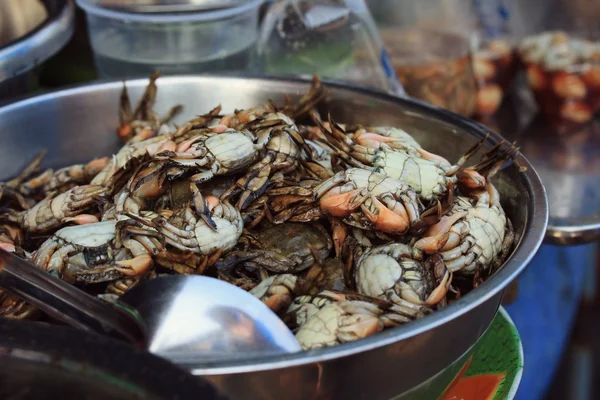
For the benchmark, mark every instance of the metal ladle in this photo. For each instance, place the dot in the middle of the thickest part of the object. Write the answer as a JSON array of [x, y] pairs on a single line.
[[176, 317]]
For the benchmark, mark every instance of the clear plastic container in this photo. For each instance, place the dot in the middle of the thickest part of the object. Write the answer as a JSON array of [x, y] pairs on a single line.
[[136, 44], [562, 63], [429, 43], [563, 72], [494, 56], [331, 38]]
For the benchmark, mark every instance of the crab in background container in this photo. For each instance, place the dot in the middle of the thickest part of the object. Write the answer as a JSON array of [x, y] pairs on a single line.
[[563, 71], [335, 39], [494, 66], [429, 43]]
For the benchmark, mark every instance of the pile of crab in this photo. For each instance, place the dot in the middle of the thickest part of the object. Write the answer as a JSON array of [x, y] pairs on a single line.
[[342, 230]]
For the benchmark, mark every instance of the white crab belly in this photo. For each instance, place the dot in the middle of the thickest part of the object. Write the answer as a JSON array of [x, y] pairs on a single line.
[[376, 274], [225, 237], [488, 231], [321, 329], [89, 235], [233, 150], [423, 176]]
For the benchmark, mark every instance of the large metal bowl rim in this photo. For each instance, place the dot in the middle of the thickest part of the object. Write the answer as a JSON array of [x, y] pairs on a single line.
[[521, 256]]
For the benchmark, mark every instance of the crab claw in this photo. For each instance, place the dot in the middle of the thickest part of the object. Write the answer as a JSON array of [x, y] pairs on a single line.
[[124, 131], [385, 219], [203, 206], [148, 183], [340, 232], [372, 140], [434, 157], [445, 224], [339, 204], [136, 266], [218, 128], [440, 291], [359, 326], [9, 247], [94, 167], [278, 302], [432, 244], [469, 179], [82, 219]]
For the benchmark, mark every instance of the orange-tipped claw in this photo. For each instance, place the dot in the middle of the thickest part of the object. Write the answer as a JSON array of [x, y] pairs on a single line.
[[9, 247], [278, 302], [386, 220], [149, 183], [186, 144], [432, 244], [124, 131], [445, 224], [340, 232], [372, 140], [82, 219], [314, 132], [136, 266], [145, 134], [212, 202], [469, 179], [440, 291], [226, 120], [434, 157], [339, 204], [219, 128], [362, 327], [96, 165], [169, 145]]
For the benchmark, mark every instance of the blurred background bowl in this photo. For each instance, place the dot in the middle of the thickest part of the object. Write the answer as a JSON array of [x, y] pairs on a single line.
[[31, 31]]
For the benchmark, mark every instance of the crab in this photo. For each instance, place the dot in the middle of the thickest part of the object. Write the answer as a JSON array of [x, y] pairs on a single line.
[[56, 211], [360, 198], [286, 248], [260, 141], [143, 121], [63, 178], [427, 173], [305, 307], [98, 252], [276, 291], [400, 274], [475, 237], [200, 232]]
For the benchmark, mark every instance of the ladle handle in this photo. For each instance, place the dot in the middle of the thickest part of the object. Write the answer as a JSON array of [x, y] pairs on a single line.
[[67, 303]]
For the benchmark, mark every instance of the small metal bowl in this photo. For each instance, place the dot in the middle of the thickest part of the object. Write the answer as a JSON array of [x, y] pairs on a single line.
[[20, 57]]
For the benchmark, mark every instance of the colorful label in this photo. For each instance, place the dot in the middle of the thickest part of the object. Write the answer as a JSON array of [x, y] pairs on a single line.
[[490, 371]]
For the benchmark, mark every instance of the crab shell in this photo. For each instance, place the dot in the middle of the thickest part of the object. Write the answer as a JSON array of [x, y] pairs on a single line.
[[224, 237], [427, 178], [395, 133], [89, 235], [487, 231], [337, 323], [394, 269]]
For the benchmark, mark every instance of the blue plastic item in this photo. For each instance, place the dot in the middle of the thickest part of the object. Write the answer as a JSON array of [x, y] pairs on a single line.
[[548, 297]]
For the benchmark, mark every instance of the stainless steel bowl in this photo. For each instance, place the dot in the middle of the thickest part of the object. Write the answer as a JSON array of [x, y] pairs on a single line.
[[78, 124], [20, 57]]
